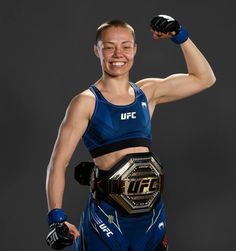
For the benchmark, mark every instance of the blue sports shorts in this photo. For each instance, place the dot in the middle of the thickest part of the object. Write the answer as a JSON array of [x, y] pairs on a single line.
[[104, 228]]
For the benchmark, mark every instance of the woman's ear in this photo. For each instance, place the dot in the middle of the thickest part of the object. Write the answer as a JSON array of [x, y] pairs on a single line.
[[135, 49], [95, 48]]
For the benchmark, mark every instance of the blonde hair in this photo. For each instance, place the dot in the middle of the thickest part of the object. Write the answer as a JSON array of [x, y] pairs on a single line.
[[113, 23]]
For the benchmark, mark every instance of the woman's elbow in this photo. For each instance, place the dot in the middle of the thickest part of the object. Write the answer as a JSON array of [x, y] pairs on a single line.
[[210, 80]]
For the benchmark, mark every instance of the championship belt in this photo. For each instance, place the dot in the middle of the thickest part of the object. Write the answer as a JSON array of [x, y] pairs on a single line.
[[134, 184]]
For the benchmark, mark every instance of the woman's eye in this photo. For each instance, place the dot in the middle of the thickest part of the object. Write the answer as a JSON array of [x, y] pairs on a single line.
[[108, 48], [127, 47]]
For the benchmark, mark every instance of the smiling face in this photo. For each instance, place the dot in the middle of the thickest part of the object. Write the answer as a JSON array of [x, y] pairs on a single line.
[[116, 50]]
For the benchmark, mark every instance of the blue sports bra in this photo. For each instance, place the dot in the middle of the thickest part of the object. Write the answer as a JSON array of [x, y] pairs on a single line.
[[115, 127]]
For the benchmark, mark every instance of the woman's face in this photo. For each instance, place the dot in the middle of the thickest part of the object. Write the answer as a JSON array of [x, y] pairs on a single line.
[[116, 51]]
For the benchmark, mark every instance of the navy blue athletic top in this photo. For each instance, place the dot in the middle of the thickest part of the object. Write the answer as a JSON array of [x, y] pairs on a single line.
[[115, 127]]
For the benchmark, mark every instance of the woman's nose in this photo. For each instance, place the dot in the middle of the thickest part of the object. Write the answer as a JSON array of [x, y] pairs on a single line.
[[118, 51]]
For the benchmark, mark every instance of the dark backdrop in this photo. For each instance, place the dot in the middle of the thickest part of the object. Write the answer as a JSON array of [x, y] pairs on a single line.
[[47, 58]]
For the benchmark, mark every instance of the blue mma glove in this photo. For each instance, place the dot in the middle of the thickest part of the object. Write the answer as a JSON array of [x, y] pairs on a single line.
[[59, 236], [166, 24]]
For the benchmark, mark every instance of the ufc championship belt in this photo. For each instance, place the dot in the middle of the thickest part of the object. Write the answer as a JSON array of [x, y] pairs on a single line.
[[134, 184]]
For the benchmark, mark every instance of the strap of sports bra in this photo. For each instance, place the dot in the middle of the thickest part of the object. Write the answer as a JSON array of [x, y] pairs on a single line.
[[96, 92]]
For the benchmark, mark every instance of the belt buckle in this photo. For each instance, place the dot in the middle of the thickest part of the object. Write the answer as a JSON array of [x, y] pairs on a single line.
[[139, 179]]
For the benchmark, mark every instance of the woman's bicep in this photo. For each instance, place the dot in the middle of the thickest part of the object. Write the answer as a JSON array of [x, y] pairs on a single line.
[[70, 131]]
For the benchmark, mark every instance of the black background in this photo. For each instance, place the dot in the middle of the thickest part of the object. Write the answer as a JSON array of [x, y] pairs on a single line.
[[46, 51]]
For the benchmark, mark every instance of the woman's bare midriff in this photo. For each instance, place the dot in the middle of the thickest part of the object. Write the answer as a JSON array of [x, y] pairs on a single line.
[[105, 162]]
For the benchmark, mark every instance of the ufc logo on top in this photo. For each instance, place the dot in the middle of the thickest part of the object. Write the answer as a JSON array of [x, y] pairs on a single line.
[[128, 115]]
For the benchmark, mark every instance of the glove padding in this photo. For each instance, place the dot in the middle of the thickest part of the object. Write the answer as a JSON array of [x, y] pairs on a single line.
[[165, 24], [59, 236]]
